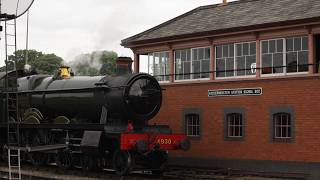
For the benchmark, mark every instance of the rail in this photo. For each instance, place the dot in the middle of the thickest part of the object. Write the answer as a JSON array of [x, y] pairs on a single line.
[[51, 172]]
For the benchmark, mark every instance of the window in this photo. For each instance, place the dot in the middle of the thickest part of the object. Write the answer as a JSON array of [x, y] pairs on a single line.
[[200, 62], [192, 63], [236, 59], [297, 54], [225, 60], [182, 64], [192, 123], [272, 56], [234, 125], [282, 125], [283, 56], [158, 65], [245, 59]]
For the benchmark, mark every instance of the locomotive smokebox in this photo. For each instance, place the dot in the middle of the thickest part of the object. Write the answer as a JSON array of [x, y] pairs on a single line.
[[135, 97]]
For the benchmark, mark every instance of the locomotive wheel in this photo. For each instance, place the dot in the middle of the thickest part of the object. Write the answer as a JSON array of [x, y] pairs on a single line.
[[87, 163], [61, 120], [33, 112], [1, 153], [4, 154], [38, 158], [64, 159], [122, 162], [90, 163], [158, 161]]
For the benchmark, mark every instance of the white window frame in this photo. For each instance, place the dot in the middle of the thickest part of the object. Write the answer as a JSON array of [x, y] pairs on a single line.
[[191, 66], [235, 55], [165, 74], [181, 80], [239, 126], [234, 62], [207, 47], [193, 125], [287, 126], [284, 59], [215, 60], [284, 47], [296, 73]]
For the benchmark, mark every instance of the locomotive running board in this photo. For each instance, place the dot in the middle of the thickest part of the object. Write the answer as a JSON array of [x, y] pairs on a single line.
[[40, 148]]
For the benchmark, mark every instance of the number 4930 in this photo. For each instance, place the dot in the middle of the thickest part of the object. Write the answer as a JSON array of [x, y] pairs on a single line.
[[164, 141]]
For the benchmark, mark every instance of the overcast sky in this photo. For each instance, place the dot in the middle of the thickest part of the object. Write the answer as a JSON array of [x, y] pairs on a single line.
[[71, 27]]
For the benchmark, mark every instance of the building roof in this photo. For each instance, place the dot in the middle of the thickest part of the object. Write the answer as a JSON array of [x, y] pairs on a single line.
[[237, 14]]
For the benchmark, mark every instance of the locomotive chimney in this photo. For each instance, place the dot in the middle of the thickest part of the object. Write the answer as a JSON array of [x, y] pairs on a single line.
[[224, 2], [124, 65]]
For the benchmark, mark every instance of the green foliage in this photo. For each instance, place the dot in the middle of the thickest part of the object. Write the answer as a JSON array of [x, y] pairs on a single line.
[[42, 63], [47, 64], [108, 60], [10, 67], [95, 63]]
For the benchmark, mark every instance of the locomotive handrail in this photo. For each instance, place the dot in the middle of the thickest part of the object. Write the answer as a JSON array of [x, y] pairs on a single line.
[[70, 89], [104, 85], [54, 90]]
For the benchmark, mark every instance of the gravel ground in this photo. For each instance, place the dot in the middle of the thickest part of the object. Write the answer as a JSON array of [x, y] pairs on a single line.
[[54, 173]]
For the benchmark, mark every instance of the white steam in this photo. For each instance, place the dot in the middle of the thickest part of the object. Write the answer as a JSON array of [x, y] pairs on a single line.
[[85, 64]]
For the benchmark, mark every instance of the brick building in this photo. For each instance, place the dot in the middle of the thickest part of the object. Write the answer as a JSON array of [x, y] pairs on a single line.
[[240, 79]]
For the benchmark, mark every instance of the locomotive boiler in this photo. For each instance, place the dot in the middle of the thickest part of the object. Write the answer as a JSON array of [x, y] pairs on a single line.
[[135, 97], [90, 121]]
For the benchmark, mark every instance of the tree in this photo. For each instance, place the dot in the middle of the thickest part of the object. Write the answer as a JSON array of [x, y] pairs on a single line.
[[108, 60], [20, 55], [42, 63], [47, 64], [10, 67]]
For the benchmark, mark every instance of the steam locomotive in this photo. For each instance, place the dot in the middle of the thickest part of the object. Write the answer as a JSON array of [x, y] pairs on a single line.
[[90, 122]]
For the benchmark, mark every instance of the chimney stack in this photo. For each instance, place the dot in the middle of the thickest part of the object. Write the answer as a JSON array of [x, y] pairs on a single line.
[[124, 65], [224, 2]]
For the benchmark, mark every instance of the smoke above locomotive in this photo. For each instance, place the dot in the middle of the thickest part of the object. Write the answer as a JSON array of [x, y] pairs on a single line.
[[112, 100]]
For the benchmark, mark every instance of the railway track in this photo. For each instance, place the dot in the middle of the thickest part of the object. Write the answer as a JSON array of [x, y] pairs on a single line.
[[54, 173], [229, 174], [174, 173]]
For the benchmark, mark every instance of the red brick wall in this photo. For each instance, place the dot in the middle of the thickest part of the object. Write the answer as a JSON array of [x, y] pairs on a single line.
[[302, 94]]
